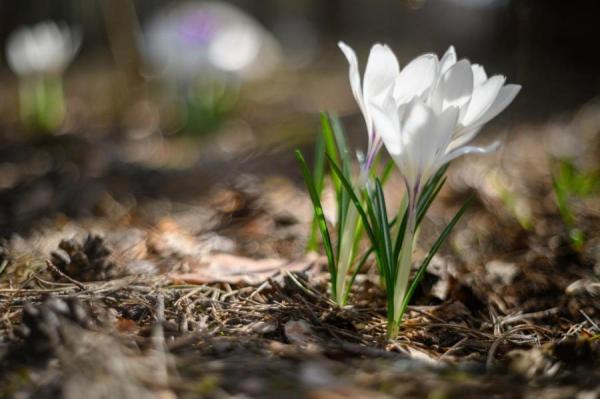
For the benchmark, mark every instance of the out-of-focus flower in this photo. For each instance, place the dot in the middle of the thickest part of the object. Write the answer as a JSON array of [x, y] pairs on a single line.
[[435, 108], [39, 55], [210, 39], [43, 49]]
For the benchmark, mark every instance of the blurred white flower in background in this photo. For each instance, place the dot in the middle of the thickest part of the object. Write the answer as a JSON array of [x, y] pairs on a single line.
[[209, 39], [39, 55], [45, 48]]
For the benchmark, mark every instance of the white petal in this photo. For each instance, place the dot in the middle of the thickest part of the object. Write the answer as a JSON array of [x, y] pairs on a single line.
[[445, 127], [463, 136], [380, 73], [416, 78], [386, 120], [448, 59], [455, 88], [469, 150], [479, 75], [438, 140], [354, 75], [15, 53], [416, 126], [506, 95], [482, 99]]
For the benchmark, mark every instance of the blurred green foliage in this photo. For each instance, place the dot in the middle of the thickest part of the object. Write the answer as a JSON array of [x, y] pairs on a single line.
[[571, 183]]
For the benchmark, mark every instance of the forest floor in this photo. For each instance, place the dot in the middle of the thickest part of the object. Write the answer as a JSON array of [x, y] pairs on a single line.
[[119, 279]]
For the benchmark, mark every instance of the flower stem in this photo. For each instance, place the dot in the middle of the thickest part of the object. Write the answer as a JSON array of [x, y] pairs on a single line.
[[42, 104], [346, 253], [347, 247], [404, 266]]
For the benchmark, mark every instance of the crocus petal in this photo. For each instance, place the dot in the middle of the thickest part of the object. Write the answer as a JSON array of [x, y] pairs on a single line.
[[468, 150], [455, 87], [463, 136], [479, 75], [506, 95], [354, 75], [386, 118], [482, 99], [448, 59], [438, 139], [416, 78], [416, 124], [380, 73], [445, 127]]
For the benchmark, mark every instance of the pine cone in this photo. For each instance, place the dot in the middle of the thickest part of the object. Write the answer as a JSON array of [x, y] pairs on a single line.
[[43, 325], [87, 262]]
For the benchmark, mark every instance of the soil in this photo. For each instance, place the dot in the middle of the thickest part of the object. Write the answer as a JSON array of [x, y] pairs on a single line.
[[120, 278]]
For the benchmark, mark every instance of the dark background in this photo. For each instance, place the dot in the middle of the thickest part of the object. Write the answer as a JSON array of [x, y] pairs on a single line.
[[549, 46]]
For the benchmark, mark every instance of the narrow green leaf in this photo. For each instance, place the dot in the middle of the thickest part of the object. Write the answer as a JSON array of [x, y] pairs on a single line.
[[330, 147], [357, 269], [328, 136], [320, 216], [378, 243], [348, 187], [319, 177], [387, 171], [435, 247], [383, 222], [399, 239], [342, 146], [428, 200]]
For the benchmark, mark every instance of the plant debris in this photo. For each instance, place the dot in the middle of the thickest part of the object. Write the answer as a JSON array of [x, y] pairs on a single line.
[[213, 296], [84, 262]]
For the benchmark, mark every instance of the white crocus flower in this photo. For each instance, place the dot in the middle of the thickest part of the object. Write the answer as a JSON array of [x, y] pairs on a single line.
[[39, 55], [380, 74], [426, 120], [46, 48], [435, 108], [479, 98]]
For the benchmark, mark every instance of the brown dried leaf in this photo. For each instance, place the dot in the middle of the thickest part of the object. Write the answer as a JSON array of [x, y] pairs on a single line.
[[233, 269]]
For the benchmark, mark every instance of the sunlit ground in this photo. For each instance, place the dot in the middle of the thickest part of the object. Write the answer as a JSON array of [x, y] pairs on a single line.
[[154, 244]]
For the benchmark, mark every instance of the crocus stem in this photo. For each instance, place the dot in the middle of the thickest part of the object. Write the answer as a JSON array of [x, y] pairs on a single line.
[[404, 262], [42, 102], [346, 252]]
